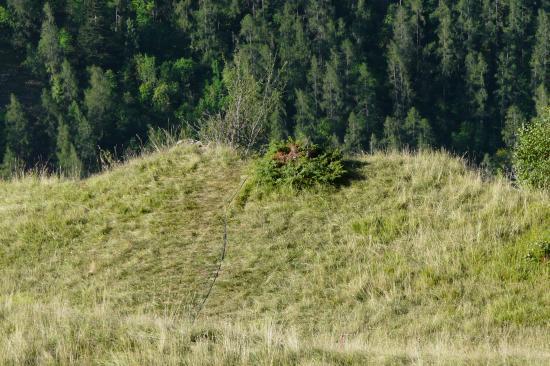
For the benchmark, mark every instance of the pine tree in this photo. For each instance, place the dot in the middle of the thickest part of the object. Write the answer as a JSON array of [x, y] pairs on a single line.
[[204, 25], [64, 85], [69, 163], [314, 77], [512, 80], [512, 123], [94, 38], [364, 95], [392, 133], [305, 116], [542, 100], [12, 165], [49, 48], [293, 47], [354, 140], [540, 75], [476, 73], [399, 62], [86, 139], [468, 23], [333, 96], [418, 21], [445, 39], [99, 100], [17, 132], [417, 131], [320, 24]]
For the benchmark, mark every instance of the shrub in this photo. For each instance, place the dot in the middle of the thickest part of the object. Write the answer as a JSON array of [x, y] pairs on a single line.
[[540, 252], [299, 165], [532, 154]]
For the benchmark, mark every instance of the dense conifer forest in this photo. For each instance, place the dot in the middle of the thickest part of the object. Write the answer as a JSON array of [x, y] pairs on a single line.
[[79, 77]]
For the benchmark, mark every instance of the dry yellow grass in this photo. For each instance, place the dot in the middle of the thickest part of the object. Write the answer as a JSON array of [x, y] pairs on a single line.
[[417, 260]]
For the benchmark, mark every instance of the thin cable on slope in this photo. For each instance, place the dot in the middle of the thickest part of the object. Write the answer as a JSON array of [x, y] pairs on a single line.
[[223, 251]]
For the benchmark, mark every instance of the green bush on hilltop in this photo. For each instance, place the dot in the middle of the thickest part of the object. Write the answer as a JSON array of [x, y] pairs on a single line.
[[299, 165], [532, 155]]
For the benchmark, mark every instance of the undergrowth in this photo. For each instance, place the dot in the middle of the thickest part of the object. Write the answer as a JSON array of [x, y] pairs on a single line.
[[298, 165]]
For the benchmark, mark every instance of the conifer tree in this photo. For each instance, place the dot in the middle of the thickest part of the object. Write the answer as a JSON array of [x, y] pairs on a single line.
[[417, 130], [392, 133], [49, 48], [99, 100], [305, 116], [18, 138], [445, 39], [476, 73], [293, 47], [64, 85], [540, 64], [69, 163], [513, 122], [355, 137], [399, 62], [86, 139], [333, 96], [93, 36]]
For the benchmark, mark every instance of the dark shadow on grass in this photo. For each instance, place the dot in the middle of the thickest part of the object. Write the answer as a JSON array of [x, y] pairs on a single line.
[[354, 171]]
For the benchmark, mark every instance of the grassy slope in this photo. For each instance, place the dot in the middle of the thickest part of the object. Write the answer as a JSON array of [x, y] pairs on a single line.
[[417, 259]]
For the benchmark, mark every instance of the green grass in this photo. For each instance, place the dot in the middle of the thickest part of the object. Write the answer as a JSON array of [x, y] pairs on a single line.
[[417, 260]]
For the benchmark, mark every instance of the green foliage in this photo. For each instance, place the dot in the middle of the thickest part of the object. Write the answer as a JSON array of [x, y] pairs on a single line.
[[299, 165], [417, 131], [144, 11], [69, 163], [355, 137], [18, 132], [49, 47], [86, 139], [540, 252], [66, 41], [333, 73], [99, 99], [513, 122], [532, 154], [12, 166], [249, 107], [4, 16]]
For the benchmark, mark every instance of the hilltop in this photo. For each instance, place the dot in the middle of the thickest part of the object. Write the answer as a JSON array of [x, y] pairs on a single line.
[[418, 258]]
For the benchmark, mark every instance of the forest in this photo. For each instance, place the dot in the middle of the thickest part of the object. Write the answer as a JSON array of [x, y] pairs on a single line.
[[84, 80]]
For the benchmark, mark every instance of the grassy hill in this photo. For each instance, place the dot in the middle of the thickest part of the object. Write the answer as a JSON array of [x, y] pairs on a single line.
[[418, 259]]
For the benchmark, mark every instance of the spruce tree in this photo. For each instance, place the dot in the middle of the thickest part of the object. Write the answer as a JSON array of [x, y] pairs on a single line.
[[18, 133], [445, 39], [476, 74], [400, 51], [49, 48], [333, 96], [69, 163], [355, 137], [305, 116], [392, 133], [540, 64], [417, 131], [99, 101], [64, 85], [513, 122], [86, 139]]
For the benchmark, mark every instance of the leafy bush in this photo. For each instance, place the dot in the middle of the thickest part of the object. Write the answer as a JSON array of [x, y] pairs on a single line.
[[540, 252], [299, 165], [532, 155]]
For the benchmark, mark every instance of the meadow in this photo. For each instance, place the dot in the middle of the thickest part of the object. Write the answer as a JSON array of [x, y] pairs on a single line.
[[415, 259]]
